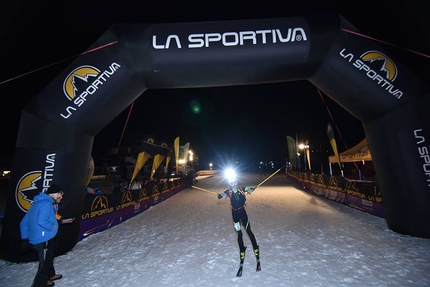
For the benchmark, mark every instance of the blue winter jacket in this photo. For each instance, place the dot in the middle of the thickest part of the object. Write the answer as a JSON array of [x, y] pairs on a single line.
[[39, 224]]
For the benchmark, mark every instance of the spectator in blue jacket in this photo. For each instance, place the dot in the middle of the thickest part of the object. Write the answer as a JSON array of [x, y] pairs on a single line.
[[40, 226]]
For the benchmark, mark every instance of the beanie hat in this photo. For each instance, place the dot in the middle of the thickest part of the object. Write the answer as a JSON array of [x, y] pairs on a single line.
[[54, 188]]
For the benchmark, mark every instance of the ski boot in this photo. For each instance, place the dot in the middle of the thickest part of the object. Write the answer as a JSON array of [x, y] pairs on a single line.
[[257, 252], [257, 257], [242, 255], [242, 258]]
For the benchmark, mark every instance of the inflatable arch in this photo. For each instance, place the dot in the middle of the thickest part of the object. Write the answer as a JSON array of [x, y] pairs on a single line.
[[57, 128]]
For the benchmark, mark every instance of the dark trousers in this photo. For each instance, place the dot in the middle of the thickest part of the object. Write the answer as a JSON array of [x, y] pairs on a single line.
[[262, 173], [45, 253], [242, 217]]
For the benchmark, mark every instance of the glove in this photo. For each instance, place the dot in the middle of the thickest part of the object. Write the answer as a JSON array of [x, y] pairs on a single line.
[[26, 246], [66, 220], [249, 190], [220, 195]]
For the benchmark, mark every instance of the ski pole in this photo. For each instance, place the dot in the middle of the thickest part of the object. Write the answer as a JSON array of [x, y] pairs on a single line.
[[269, 177], [202, 189]]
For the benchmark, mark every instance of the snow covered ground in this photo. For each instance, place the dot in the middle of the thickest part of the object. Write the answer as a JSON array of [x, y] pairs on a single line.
[[189, 240]]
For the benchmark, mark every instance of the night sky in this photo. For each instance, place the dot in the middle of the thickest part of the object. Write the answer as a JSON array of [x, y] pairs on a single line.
[[39, 40]]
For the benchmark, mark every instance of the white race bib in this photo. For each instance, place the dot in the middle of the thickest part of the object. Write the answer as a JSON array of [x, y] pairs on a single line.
[[237, 226]]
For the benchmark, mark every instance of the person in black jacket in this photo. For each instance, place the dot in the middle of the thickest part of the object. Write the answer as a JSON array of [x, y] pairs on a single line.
[[237, 197]]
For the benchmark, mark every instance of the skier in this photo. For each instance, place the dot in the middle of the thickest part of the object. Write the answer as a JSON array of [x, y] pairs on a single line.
[[262, 168], [237, 197]]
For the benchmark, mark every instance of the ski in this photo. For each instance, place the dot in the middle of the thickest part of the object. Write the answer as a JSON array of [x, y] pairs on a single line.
[[258, 268], [242, 259], [239, 271]]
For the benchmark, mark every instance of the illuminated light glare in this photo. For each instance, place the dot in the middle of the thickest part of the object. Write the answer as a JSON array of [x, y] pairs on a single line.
[[304, 147], [195, 107], [230, 175]]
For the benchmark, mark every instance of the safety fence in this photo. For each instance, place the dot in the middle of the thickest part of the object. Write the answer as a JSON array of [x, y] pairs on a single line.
[[359, 194], [104, 211]]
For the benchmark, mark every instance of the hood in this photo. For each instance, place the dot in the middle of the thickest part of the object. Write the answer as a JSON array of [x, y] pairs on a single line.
[[42, 197]]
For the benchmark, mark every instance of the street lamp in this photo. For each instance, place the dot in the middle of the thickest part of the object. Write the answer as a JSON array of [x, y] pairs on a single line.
[[305, 148], [191, 158]]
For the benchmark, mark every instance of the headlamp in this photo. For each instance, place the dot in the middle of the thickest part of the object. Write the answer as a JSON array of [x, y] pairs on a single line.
[[230, 175]]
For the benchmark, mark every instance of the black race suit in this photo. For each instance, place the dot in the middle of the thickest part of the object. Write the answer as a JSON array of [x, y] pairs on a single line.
[[240, 218]]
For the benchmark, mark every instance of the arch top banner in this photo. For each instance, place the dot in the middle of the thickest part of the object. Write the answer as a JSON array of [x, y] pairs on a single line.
[[57, 128]]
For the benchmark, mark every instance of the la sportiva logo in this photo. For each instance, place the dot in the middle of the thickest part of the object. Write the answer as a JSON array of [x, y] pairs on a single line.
[[83, 82], [143, 194], [378, 67], [126, 200], [126, 197], [34, 182], [27, 189], [83, 73], [150, 140], [99, 203], [99, 206], [230, 38], [388, 68]]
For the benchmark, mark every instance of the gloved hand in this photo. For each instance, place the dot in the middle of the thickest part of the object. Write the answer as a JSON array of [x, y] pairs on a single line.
[[220, 196], [66, 220], [249, 190], [26, 245]]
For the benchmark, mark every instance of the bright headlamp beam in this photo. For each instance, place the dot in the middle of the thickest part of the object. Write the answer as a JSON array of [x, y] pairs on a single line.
[[230, 175]]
